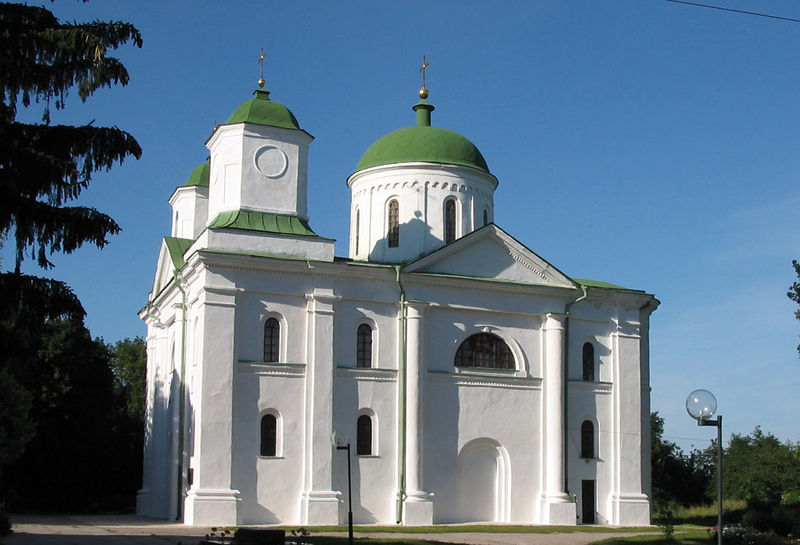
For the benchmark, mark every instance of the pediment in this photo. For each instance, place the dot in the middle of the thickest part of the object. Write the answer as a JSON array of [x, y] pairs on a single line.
[[491, 253], [170, 258]]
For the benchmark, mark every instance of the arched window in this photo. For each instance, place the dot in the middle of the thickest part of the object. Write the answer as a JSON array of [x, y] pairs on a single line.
[[272, 336], [588, 361], [484, 351], [364, 346], [485, 217], [269, 435], [393, 234], [364, 435], [358, 227], [587, 439], [449, 221]]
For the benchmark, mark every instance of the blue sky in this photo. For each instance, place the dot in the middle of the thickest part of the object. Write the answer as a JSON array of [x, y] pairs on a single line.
[[639, 142]]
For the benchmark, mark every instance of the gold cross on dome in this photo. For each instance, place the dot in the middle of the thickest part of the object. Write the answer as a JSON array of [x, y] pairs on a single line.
[[261, 58], [423, 68]]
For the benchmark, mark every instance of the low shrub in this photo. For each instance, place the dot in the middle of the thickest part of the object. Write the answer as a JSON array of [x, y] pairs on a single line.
[[743, 535]]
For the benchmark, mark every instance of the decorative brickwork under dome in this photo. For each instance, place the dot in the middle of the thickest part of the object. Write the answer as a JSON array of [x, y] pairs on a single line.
[[263, 111], [423, 143]]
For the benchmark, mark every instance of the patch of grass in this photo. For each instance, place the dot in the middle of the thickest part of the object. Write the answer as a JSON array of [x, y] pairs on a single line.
[[342, 540], [706, 515], [695, 537], [474, 528]]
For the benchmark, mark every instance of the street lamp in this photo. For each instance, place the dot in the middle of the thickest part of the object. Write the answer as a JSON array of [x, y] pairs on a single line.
[[702, 406], [339, 440]]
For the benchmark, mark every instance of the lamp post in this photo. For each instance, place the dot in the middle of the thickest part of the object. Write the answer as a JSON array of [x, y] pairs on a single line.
[[702, 406], [339, 440]]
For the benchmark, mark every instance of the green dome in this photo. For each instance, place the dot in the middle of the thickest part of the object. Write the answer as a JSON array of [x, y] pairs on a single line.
[[199, 176], [263, 111], [423, 143]]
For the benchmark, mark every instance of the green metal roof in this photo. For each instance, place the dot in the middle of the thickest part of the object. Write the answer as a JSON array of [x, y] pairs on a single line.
[[597, 284], [423, 143], [264, 222], [199, 176], [177, 247], [263, 111]]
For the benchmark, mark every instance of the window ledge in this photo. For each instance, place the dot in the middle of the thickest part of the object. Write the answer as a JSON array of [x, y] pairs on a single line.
[[367, 373], [367, 456], [488, 372], [514, 380], [271, 457]]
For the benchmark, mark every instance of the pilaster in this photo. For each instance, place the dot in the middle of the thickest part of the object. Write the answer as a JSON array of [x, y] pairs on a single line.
[[212, 500], [319, 502]]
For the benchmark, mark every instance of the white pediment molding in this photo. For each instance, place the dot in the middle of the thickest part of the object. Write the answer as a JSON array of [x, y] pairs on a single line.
[[491, 253]]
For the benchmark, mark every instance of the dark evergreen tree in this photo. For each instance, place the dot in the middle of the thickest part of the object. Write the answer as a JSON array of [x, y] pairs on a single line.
[[43, 167]]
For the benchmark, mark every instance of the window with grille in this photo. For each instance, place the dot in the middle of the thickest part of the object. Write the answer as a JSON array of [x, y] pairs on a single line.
[[449, 221], [587, 439], [394, 224], [358, 227], [269, 435], [272, 335], [364, 346], [484, 351], [588, 361], [364, 435]]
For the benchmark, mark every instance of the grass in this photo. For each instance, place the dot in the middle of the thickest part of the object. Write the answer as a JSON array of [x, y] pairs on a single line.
[[472, 528], [695, 537], [705, 516]]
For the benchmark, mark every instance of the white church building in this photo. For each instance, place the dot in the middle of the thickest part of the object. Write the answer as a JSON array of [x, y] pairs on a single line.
[[473, 380]]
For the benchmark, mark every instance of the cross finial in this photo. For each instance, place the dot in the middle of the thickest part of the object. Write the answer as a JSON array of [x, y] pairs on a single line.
[[423, 93], [261, 81]]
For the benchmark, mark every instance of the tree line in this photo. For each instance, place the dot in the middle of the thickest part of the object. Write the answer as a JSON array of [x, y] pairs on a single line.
[[758, 469]]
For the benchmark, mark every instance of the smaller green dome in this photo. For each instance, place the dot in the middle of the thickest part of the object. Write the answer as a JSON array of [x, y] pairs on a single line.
[[423, 144], [199, 176], [263, 111]]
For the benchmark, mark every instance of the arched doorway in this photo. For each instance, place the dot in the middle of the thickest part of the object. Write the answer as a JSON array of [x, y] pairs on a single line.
[[483, 482]]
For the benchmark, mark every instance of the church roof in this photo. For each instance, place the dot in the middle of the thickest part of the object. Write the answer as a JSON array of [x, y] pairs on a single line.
[[423, 143], [263, 111], [199, 176]]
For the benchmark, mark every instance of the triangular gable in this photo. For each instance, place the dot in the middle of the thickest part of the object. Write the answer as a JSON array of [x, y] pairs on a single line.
[[170, 257], [490, 253]]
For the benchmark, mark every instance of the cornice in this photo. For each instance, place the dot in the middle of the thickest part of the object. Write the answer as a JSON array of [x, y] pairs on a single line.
[[271, 369], [367, 374], [487, 380], [593, 387]]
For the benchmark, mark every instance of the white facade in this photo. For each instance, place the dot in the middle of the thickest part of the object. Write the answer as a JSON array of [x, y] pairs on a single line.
[[240, 411]]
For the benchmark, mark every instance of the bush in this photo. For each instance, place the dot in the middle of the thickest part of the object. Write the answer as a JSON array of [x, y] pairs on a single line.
[[5, 525], [740, 535]]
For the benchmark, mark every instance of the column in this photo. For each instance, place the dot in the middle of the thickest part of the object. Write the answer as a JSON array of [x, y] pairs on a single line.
[[319, 503], [211, 500], [417, 504], [558, 507]]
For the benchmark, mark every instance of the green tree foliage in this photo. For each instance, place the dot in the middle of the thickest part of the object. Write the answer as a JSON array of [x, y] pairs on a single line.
[[57, 390], [677, 478], [44, 166], [87, 450], [794, 292], [129, 365], [760, 468]]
